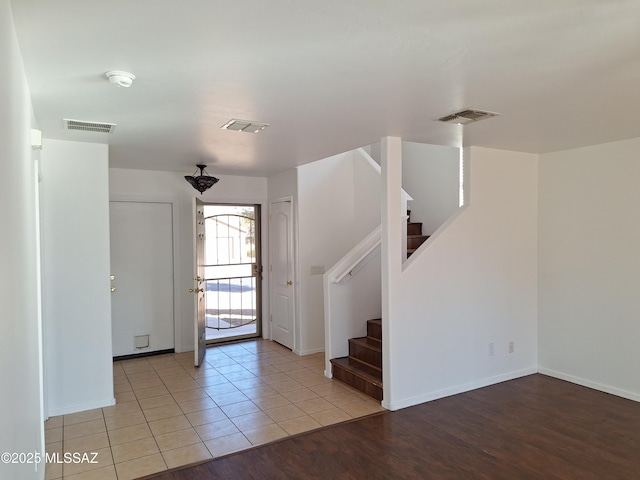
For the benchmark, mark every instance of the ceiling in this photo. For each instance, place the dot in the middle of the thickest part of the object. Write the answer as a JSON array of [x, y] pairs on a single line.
[[329, 75]]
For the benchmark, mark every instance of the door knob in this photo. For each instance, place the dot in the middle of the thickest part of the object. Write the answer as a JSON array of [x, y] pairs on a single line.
[[113, 289], [289, 282]]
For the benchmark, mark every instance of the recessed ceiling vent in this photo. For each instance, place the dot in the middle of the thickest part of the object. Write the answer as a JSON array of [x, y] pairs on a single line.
[[84, 126], [467, 116], [244, 126]]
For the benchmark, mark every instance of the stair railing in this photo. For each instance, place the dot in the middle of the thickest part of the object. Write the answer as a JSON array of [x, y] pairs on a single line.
[[351, 299], [345, 311], [349, 264]]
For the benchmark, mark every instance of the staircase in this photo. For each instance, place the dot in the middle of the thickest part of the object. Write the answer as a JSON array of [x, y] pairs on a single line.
[[414, 235], [362, 369]]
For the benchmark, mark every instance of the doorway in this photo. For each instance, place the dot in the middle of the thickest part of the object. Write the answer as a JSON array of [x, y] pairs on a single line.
[[142, 281], [282, 272], [232, 272]]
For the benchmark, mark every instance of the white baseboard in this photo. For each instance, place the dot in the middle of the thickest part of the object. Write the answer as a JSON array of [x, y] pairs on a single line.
[[302, 353], [591, 384], [81, 408], [447, 392]]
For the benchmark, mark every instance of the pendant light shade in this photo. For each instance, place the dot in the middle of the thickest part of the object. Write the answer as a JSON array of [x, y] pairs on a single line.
[[201, 182]]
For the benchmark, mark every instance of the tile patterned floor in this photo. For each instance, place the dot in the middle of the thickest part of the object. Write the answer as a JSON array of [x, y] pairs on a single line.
[[169, 413]]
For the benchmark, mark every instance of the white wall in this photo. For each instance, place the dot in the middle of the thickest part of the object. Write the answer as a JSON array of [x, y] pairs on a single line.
[[283, 184], [430, 174], [367, 186], [21, 419], [75, 268], [335, 211], [475, 284], [145, 184], [589, 263], [325, 213]]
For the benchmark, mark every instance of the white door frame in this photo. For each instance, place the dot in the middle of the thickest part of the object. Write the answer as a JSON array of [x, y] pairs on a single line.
[[175, 228], [294, 259]]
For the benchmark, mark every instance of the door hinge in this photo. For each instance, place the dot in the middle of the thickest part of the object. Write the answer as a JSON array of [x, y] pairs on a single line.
[[271, 268], [271, 318]]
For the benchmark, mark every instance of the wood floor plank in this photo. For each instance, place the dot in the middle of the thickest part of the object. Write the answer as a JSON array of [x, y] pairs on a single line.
[[535, 427]]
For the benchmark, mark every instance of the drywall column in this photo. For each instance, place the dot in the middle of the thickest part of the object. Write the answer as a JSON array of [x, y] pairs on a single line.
[[474, 285], [391, 250], [75, 270], [21, 421]]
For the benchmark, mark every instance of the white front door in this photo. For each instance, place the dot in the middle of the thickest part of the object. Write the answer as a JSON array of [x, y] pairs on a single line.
[[198, 289], [281, 272], [142, 267]]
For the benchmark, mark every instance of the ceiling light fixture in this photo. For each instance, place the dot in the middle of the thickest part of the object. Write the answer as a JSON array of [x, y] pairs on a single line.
[[120, 78], [245, 126], [201, 182]]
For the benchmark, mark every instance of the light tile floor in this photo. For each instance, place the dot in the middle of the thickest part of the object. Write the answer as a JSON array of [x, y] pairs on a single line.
[[169, 413]]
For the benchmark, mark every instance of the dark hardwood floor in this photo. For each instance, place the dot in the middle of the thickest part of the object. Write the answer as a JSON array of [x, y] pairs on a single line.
[[535, 427]]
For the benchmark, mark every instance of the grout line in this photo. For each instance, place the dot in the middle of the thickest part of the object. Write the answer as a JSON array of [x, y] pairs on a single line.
[[218, 355]]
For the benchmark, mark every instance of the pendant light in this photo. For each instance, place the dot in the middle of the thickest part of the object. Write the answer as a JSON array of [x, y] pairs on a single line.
[[201, 182]]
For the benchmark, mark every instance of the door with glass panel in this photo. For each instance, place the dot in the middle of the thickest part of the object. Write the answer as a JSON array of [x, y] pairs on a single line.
[[232, 272]]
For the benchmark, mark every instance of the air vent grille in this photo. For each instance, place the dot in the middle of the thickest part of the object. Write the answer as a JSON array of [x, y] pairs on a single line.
[[467, 116], [245, 126], [83, 126]]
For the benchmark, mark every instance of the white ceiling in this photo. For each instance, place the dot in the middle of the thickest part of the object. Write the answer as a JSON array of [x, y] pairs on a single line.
[[329, 75]]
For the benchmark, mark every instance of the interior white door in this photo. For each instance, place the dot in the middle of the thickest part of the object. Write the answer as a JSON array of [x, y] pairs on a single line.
[[142, 301], [282, 281], [199, 284]]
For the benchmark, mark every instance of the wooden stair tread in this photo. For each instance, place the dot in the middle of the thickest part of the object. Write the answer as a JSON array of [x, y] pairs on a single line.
[[368, 342], [360, 369]]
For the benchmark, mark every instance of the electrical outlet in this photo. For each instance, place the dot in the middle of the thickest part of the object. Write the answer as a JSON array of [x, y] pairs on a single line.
[[492, 349], [512, 347]]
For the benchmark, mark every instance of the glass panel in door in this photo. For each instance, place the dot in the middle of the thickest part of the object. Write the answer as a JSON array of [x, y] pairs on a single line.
[[231, 272]]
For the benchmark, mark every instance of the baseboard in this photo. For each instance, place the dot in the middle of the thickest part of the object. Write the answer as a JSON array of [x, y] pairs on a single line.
[[132, 356], [302, 353], [447, 392], [81, 408], [590, 384]]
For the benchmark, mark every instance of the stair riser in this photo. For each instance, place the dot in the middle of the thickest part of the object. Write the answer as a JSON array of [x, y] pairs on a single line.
[[415, 242], [358, 383], [414, 229], [374, 330], [365, 354]]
